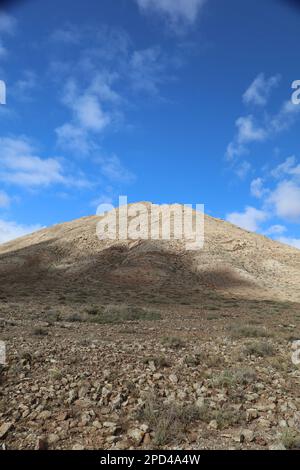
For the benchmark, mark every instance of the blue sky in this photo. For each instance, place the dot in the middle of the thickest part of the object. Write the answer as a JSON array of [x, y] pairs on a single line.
[[184, 101]]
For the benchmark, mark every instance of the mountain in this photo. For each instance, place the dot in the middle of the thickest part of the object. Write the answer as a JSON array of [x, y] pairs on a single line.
[[70, 260]]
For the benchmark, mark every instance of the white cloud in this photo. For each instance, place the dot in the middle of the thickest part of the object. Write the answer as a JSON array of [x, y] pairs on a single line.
[[250, 219], [279, 192], [4, 199], [275, 230], [243, 169], [3, 50], [295, 242], [260, 89], [23, 87], [74, 138], [11, 230], [251, 130], [147, 70], [7, 24], [20, 165], [67, 35], [100, 81], [257, 188], [286, 200], [288, 167], [247, 132], [112, 168], [179, 13], [284, 119], [88, 114]]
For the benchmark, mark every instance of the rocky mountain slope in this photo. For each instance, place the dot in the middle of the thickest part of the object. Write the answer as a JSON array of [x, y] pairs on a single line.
[[70, 255]]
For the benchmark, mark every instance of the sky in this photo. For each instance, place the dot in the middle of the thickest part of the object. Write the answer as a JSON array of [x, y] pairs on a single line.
[[169, 101]]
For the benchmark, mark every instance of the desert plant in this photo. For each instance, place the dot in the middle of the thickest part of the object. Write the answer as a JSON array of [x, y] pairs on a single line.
[[168, 421], [173, 342], [159, 361], [39, 331], [122, 313], [259, 348], [249, 331], [228, 417], [290, 439]]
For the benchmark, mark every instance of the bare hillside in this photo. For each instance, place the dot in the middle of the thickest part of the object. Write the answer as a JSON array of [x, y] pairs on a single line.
[[70, 255]]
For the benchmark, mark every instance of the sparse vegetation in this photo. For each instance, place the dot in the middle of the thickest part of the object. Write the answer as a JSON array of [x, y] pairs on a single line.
[[259, 348], [232, 378], [75, 318], [168, 421], [122, 313], [194, 360], [227, 417], [290, 439], [173, 342], [51, 316], [56, 374], [158, 361], [39, 331], [249, 331]]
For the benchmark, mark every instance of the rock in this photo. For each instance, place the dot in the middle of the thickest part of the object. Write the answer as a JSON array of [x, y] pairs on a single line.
[[78, 447], [264, 423], [247, 435], [200, 402], [73, 395], [44, 415], [192, 437], [213, 424], [182, 395], [282, 423], [277, 447], [173, 378], [112, 439], [106, 374], [83, 391], [62, 416], [4, 429], [109, 424], [136, 435], [297, 420], [251, 414], [157, 376], [53, 439], [97, 424]]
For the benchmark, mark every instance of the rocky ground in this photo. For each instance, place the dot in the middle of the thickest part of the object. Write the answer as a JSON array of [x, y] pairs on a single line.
[[214, 376]]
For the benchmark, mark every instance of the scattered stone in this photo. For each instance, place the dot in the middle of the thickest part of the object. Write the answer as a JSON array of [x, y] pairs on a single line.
[[247, 435], [53, 439], [136, 435], [78, 447], [277, 447], [4, 429], [251, 414]]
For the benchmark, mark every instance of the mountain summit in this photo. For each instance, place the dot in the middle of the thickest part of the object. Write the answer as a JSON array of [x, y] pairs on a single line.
[[69, 258]]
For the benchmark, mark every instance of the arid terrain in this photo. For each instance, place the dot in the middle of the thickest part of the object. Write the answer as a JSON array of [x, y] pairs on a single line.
[[141, 344]]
